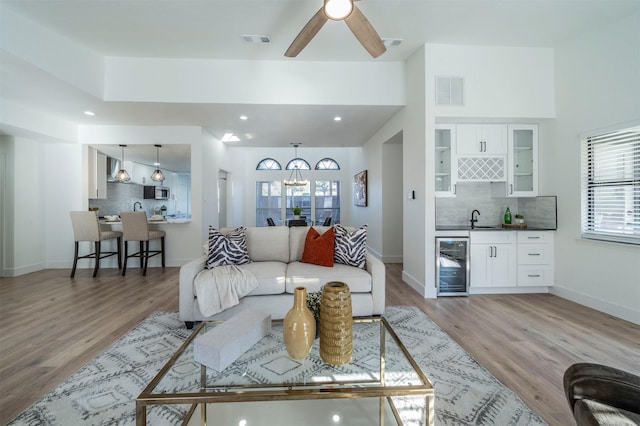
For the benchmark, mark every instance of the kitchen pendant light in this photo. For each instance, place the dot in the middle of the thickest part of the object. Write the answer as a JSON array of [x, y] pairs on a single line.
[[295, 178], [122, 176], [157, 175]]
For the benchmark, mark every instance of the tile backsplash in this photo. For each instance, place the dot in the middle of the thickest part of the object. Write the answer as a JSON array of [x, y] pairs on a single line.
[[539, 212], [122, 196]]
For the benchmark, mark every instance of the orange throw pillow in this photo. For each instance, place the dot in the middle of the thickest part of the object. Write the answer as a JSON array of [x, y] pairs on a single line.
[[318, 249]]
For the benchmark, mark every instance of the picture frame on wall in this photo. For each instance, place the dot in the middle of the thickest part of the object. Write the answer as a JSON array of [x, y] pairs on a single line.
[[360, 190]]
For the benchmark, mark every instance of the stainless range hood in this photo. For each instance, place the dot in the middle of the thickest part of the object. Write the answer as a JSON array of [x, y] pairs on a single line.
[[113, 165]]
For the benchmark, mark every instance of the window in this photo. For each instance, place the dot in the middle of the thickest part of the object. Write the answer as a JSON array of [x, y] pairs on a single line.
[[268, 164], [611, 186], [298, 163], [268, 202], [327, 164], [319, 200]]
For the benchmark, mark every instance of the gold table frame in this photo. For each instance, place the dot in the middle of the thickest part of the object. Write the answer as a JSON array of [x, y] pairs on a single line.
[[211, 393]]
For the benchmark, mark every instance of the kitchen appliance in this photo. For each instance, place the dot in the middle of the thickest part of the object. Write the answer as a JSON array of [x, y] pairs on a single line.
[[452, 266], [156, 192]]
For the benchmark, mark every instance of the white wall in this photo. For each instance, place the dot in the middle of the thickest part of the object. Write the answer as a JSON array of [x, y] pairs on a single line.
[[598, 85], [392, 200], [498, 81]]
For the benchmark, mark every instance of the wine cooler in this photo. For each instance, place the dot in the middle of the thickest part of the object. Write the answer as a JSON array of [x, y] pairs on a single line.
[[452, 266]]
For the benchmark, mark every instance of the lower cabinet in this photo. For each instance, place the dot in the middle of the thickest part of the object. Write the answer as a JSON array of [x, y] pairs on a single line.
[[493, 259], [535, 258]]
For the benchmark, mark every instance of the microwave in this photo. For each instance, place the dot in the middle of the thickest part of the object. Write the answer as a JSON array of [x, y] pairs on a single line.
[[156, 193]]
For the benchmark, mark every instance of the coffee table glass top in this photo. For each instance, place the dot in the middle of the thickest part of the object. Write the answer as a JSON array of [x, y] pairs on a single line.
[[380, 367]]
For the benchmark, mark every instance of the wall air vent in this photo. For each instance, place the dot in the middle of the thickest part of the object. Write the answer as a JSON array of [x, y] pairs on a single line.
[[256, 39], [449, 90]]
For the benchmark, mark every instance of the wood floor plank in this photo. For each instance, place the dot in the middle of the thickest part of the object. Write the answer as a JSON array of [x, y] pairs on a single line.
[[51, 325]]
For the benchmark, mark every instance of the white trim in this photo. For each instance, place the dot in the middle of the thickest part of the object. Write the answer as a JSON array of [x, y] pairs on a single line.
[[612, 309], [412, 282], [508, 290]]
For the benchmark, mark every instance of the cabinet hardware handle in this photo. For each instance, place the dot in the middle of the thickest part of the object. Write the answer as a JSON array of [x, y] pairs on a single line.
[[480, 146], [533, 238], [510, 188], [454, 189], [534, 275], [534, 254], [496, 251]]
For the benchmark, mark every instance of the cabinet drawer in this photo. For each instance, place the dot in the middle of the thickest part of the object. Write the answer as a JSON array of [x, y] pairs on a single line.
[[535, 237], [535, 276], [534, 254], [492, 237]]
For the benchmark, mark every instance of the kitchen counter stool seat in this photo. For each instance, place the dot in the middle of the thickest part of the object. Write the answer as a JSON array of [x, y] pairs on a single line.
[[136, 228], [87, 228]]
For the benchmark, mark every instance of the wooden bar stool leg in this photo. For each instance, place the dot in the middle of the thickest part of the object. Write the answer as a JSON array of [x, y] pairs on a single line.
[[162, 248], [126, 256], [95, 268], [75, 260]]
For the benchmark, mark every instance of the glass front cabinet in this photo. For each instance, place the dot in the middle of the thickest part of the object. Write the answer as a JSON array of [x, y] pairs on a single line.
[[522, 160], [445, 160]]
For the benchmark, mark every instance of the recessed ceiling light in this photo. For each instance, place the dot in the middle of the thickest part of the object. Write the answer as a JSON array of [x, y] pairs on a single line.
[[91, 113], [337, 118], [256, 39], [230, 137], [244, 117], [392, 42]]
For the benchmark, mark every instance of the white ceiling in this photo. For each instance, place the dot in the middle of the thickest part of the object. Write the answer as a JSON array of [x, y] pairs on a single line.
[[212, 29]]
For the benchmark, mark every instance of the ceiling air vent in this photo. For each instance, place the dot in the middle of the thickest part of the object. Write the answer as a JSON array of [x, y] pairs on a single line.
[[449, 90], [392, 42], [256, 39]]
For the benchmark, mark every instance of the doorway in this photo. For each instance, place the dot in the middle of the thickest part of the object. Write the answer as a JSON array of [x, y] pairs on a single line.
[[392, 200], [223, 179]]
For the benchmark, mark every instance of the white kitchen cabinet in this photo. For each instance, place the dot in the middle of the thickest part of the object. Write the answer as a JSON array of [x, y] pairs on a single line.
[[535, 258], [97, 174], [522, 163], [445, 160], [481, 139], [493, 259]]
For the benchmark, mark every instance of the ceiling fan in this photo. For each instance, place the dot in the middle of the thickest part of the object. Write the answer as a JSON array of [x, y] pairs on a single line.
[[339, 10]]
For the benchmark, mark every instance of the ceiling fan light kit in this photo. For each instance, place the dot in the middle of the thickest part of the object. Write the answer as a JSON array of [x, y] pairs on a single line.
[[339, 10]]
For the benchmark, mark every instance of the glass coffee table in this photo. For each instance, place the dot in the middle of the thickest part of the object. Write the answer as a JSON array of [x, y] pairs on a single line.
[[382, 384]]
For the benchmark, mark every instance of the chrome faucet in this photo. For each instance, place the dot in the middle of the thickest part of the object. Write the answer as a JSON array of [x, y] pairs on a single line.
[[137, 203], [474, 219]]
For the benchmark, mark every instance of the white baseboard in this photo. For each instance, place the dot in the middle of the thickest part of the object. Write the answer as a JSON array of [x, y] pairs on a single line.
[[22, 270], [612, 309], [413, 283], [507, 290]]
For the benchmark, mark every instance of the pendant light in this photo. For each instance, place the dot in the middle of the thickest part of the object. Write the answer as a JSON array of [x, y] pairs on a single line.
[[157, 175], [122, 176], [295, 178]]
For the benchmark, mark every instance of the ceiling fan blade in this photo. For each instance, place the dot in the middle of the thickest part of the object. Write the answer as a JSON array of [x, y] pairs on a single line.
[[306, 34], [365, 33]]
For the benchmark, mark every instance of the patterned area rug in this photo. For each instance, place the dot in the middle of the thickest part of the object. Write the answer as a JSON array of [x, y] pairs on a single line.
[[103, 392]]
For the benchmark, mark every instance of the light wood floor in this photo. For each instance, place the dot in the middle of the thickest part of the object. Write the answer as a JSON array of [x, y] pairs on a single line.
[[51, 325]]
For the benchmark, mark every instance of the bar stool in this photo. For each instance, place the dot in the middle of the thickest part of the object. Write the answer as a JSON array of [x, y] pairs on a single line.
[[136, 228], [87, 228]]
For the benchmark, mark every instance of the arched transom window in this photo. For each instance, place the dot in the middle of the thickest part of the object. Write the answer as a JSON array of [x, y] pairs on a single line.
[[268, 164], [327, 164], [299, 163]]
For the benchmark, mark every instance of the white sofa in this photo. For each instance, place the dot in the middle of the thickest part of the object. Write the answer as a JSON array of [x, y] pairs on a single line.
[[275, 252]]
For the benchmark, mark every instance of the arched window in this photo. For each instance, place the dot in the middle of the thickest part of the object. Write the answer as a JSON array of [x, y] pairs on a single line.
[[268, 164], [327, 164], [299, 163]]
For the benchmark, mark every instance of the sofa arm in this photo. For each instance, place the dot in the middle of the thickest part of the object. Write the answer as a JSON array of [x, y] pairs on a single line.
[[188, 273], [377, 270]]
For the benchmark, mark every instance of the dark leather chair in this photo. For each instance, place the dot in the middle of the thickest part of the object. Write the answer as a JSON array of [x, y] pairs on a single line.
[[270, 222], [297, 222], [327, 221], [602, 395]]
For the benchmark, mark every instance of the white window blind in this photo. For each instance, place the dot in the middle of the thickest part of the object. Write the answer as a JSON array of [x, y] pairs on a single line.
[[611, 186]]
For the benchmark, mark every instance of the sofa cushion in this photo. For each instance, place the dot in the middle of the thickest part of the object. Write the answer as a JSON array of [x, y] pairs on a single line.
[[229, 249], [270, 275], [297, 238], [318, 248], [313, 277], [351, 246], [266, 243]]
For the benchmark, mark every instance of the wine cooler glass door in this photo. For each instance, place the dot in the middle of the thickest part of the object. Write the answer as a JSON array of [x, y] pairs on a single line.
[[452, 266]]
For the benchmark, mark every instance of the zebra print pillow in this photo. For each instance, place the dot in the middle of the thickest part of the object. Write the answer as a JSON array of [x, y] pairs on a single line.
[[350, 247], [230, 249]]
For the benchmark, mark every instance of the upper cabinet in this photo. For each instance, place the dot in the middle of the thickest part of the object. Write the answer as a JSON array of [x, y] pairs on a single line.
[[481, 139], [522, 163], [445, 160], [97, 166]]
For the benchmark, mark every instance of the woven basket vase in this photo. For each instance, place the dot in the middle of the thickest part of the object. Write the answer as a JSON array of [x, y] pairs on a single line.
[[336, 324]]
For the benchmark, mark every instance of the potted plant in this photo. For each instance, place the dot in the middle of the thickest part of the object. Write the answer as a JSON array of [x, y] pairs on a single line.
[[519, 219], [296, 212]]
